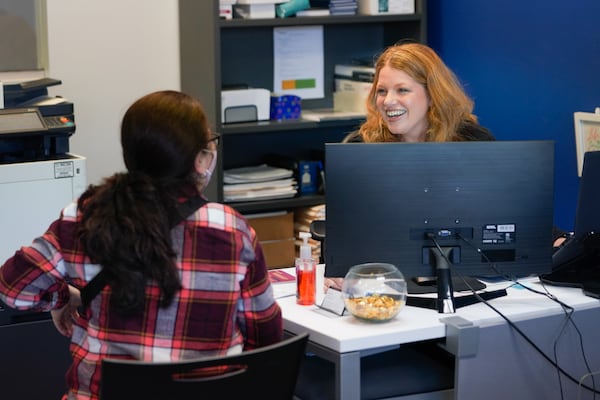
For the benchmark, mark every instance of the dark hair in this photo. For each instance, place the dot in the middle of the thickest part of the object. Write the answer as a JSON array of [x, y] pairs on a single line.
[[124, 221]]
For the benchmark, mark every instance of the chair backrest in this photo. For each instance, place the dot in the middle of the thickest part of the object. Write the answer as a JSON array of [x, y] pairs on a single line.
[[269, 372]]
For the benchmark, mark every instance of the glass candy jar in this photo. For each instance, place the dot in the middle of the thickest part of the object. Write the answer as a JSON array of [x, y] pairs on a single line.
[[374, 291]]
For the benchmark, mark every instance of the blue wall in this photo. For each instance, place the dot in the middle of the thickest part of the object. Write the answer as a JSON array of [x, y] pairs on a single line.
[[528, 65]]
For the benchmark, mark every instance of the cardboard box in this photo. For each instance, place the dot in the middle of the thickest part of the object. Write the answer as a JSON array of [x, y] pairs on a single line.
[[352, 87], [349, 102], [279, 253], [275, 232], [351, 95]]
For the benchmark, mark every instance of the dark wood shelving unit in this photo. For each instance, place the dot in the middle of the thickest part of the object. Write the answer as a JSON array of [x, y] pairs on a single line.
[[216, 53]]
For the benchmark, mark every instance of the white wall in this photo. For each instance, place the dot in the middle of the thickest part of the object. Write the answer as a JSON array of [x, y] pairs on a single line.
[[107, 54]]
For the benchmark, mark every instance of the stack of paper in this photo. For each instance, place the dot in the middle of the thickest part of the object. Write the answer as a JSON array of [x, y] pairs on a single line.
[[262, 182], [337, 7], [313, 12]]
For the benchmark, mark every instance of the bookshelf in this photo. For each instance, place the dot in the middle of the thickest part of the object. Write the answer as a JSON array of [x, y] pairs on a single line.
[[217, 52]]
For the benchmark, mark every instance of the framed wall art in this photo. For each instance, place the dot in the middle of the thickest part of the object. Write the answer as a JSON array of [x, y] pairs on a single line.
[[587, 134]]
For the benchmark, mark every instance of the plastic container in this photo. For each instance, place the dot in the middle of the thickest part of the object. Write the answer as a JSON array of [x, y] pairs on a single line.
[[306, 273]]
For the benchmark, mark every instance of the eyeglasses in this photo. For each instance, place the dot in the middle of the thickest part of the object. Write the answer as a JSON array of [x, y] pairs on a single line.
[[215, 137]]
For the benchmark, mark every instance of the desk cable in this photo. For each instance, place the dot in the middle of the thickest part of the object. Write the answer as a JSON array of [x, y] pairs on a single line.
[[567, 309], [568, 318], [583, 378]]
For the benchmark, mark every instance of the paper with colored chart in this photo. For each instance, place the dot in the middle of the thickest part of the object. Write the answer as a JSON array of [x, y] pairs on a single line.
[[298, 61]]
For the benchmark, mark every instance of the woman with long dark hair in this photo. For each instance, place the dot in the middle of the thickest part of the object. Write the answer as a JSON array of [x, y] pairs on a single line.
[[162, 274]]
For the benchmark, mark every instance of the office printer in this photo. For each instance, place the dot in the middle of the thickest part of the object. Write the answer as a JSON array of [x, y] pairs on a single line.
[[245, 105], [33, 125], [34, 158]]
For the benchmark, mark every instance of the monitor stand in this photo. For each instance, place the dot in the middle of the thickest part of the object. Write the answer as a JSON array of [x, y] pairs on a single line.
[[445, 302]]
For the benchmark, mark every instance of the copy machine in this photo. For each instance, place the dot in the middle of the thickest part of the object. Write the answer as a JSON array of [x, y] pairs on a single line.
[[33, 125], [38, 177]]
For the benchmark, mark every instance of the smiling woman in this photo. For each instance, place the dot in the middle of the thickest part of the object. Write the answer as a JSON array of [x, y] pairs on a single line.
[[416, 98], [23, 44]]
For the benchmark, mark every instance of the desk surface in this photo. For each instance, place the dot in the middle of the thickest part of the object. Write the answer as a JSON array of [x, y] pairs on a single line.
[[412, 324]]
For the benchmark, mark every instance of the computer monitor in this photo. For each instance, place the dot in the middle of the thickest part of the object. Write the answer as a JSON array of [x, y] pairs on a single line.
[[577, 260], [489, 203]]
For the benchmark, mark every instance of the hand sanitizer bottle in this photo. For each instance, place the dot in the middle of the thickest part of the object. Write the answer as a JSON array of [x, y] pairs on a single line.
[[306, 273]]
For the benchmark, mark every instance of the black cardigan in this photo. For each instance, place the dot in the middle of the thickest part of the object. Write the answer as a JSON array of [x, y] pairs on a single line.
[[469, 131]]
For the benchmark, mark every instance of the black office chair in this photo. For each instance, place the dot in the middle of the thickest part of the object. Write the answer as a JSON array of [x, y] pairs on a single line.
[[317, 226], [266, 373], [317, 232]]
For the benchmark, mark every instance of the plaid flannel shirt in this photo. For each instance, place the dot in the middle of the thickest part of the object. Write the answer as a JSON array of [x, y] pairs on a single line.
[[226, 303]]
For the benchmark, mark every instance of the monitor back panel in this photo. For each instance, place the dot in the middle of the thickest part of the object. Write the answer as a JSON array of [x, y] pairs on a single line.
[[382, 199], [587, 216]]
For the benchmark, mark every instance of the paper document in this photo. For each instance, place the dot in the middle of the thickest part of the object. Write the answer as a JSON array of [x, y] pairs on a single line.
[[243, 187], [299, 61], [261, 195]]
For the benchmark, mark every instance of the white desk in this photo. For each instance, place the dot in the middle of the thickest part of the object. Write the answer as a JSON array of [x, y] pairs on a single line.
[[492, 360]]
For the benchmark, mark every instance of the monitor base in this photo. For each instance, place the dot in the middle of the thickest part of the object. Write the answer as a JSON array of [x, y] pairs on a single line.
[[459, 301]]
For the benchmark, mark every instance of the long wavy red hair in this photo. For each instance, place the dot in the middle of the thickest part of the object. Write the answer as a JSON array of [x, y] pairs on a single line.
[[449, 104]]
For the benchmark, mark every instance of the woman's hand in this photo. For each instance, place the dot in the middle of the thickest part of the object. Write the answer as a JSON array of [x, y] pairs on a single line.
[[63, 318], [335, 283]]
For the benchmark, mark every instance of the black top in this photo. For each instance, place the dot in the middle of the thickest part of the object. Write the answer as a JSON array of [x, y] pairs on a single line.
[[471, 131], [468, 130]]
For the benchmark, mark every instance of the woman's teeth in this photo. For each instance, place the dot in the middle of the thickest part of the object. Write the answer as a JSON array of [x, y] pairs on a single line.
[[395, 113]]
